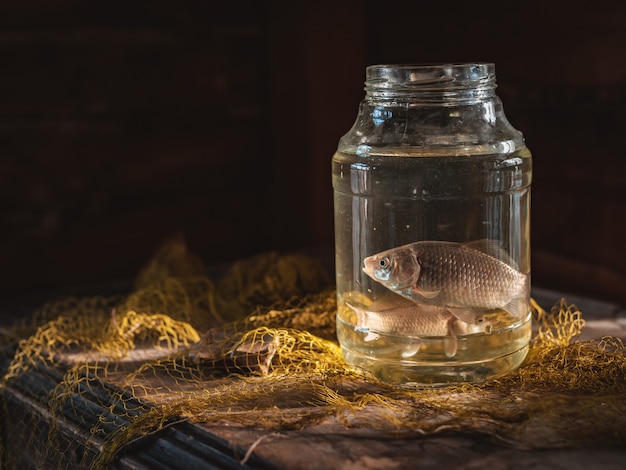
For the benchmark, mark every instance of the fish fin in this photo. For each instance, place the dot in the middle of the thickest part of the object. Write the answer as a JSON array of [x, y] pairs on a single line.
[[352, 307], [450, 342], [411, 350], [517, 307], [370, 337], [361, 318], [427, 294], [464, 314], [492, 248], [450, 345]]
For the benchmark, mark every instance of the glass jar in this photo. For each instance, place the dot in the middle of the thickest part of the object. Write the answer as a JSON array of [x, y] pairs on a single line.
[[431, 195]]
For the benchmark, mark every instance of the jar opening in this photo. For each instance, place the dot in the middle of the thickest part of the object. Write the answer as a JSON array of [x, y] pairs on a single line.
[[434, 77]]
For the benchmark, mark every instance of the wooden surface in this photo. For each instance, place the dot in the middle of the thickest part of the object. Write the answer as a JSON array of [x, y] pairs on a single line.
[[329, 447], [328, 444]]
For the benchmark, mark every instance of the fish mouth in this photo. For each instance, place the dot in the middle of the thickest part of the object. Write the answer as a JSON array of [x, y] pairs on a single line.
[[371, 269], [391, 275]]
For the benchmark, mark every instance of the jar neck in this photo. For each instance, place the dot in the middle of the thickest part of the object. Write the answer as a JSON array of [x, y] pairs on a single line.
[[445, 83]]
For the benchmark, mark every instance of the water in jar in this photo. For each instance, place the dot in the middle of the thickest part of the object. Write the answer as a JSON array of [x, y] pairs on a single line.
[[469, 199]]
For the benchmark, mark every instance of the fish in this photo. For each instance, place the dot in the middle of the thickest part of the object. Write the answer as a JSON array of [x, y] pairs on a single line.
[[404, 317], [461, 277]]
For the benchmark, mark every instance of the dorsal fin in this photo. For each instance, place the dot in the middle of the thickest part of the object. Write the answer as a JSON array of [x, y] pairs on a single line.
[[492, 248]]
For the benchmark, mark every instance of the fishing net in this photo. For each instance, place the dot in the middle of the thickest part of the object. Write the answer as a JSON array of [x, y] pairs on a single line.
[[256, 348]]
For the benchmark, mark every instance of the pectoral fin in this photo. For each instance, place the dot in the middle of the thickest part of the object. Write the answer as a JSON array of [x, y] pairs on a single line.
[[411, 349], [427, 294]]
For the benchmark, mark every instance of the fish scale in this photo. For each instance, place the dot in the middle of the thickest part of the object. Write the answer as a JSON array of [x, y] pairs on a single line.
[[452, 275], [399, 316], [411, 321], [464, 276]]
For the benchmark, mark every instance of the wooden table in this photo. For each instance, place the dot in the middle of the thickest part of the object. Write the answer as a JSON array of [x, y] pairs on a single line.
[[226, 445]]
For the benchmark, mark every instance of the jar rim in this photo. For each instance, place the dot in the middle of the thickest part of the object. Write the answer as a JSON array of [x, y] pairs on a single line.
[[415, 77]]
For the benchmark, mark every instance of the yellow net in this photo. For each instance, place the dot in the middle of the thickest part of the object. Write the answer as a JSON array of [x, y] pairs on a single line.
[[257, 348]]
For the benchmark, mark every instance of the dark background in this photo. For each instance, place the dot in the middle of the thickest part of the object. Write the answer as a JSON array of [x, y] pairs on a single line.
[[125, 123]]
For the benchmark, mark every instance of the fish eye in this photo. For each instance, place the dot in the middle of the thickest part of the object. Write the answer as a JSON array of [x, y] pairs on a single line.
[[384, 263]]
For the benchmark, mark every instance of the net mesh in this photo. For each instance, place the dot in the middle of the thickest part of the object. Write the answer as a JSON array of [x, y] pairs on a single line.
[[257, 348]]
